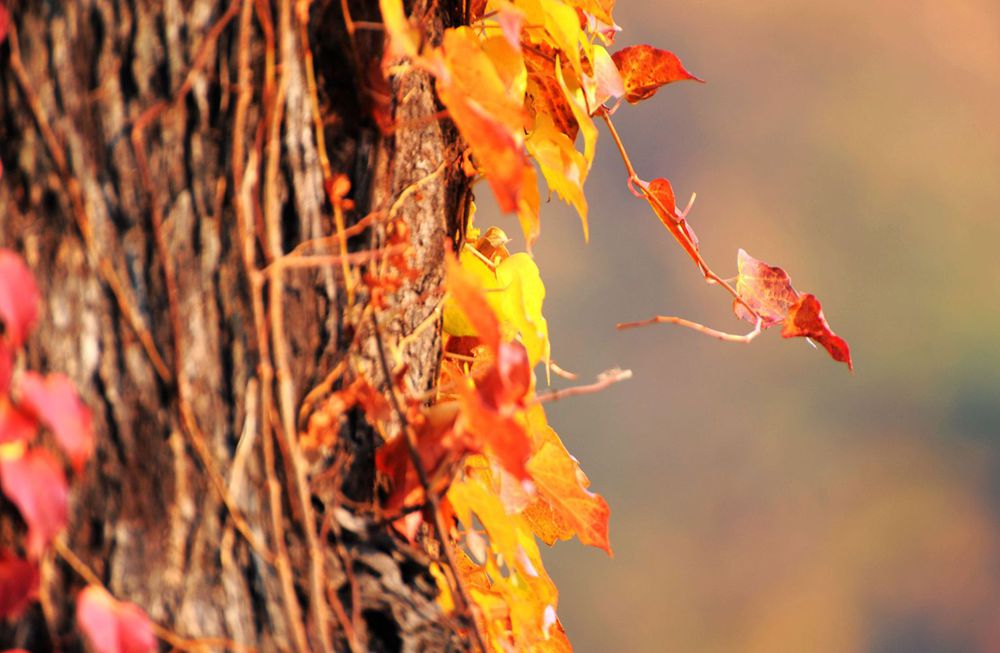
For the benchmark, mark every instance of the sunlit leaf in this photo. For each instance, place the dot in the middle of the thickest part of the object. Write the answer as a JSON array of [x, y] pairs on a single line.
[[765, 288], [805, 319], [644, 69], [564, 487], [563, 167]]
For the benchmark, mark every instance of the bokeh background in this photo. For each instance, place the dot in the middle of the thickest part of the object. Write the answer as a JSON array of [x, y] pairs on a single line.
[[763, 498]]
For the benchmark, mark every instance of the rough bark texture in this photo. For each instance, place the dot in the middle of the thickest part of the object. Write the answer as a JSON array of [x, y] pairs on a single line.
[[157, 156]]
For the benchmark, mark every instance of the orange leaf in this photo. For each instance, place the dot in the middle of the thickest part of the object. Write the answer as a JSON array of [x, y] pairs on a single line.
[[34, 482], [805, 319], [113, 626], [645, 69], [765, 288], [558, 479], [660, 195]]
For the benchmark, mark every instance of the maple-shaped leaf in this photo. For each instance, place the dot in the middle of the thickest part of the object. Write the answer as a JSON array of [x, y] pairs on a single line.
[[765, 288], [53, 399], [644, 69], [805, 319], [18, 298], [34, 481], [18, 584], [15, 424], [113, 626], [558, 479]]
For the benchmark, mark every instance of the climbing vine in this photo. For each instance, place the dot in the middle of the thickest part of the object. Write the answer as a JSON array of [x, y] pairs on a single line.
[[471, 472]]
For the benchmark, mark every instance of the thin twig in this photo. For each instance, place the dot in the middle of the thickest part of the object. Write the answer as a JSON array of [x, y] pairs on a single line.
[[700, 328], [604, 380], [673, 226], [433, 500]]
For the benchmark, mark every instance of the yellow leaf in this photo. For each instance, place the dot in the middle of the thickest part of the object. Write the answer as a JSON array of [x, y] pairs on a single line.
[[563, 167], [404, 38], [515, 292]]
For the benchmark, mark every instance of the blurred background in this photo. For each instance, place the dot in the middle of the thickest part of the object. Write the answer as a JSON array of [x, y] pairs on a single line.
[[763, 498]]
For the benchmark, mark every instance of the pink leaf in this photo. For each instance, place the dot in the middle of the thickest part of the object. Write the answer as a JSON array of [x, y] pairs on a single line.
[[6, 367], [34, 482], [18, 584], [55, 402], [113, 626], [18, 293]]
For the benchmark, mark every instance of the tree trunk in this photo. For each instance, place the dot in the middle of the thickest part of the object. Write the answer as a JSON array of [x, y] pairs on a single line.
[[161, 161]]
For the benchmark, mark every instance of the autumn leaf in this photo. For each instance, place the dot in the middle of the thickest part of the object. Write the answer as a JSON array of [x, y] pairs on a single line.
[[18, 298], [18, 583], [403, 37], [6, 367], [15, 424], [805, 319], [470, 304], [644, 69], [53, 399], [34, 481], [765, 288], [564, 168], [660, 195], [113, 626], [606, 83], [515, 293], [558, 479]]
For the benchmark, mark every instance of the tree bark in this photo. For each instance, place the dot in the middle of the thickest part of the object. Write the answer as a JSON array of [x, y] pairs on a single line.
[[161, 161]]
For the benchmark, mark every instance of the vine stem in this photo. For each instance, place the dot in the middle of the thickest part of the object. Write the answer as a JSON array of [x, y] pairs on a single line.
[[700, 328], [674, 225], [433, 500]]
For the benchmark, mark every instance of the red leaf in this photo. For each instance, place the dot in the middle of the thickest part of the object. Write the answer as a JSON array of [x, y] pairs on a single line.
[[34, 482], [113, 626], [509, 379], [18, 296], [15, 424], [765, 288], [645, 69], [18, 584], [805, 319], [4, 24], [6, 367], [660, 195], [55, 402]]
